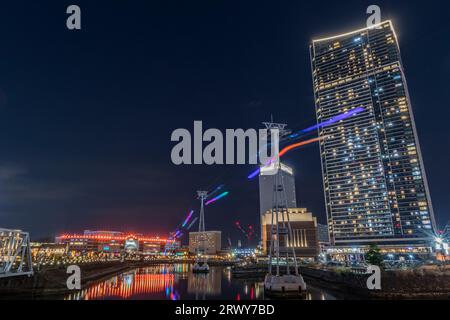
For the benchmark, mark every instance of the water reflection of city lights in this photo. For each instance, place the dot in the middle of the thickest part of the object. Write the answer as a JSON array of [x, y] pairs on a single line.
[[177, 282], [127, 285]]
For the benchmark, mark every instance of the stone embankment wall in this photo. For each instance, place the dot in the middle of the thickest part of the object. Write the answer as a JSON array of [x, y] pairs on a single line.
[[395, 284]]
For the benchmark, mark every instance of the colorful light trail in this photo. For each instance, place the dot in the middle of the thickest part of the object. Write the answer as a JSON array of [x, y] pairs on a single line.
[[187, 218], [328, 122], [216, 198], [238, 225], [298, 134], [192, 223], [218, 188], [284, 151]]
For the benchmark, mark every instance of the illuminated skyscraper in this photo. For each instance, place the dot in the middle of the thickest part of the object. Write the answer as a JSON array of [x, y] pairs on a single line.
[[374, 179]]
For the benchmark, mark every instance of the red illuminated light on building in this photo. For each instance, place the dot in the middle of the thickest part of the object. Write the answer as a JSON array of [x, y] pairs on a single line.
[[117, 238]]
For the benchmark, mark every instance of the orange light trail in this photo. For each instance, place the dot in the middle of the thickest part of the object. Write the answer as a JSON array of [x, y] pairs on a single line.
[[299, 144], [282, 152]]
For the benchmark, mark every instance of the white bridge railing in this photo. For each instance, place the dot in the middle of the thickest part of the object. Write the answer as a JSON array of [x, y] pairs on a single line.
[[15, 254]]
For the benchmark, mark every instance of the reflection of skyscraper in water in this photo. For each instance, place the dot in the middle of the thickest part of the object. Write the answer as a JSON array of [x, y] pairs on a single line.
[[267, 186]]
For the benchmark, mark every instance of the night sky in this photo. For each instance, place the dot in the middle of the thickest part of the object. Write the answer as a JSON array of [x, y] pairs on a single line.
[[86, 116]]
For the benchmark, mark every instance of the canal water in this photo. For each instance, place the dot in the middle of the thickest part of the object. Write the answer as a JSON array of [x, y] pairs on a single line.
[[176, 281]]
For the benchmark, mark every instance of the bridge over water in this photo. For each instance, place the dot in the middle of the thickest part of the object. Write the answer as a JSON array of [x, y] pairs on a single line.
[[15, 254]]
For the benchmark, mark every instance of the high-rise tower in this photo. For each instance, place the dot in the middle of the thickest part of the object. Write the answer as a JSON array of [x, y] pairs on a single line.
[[267, 184], [374, 179]]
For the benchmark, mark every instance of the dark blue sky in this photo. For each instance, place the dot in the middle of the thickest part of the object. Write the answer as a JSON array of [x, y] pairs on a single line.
[[86, 116]]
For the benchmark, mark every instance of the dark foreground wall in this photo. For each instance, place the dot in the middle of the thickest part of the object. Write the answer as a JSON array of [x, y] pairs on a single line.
[[394, 284]]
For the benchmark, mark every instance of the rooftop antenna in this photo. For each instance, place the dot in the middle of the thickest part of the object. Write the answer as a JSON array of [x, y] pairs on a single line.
[[282, 127]]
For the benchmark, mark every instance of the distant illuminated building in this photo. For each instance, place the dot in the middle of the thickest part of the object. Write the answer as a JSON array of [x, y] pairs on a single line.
[[40, 250], [111, 242], [102, 233], [374, 179], [172, 245], [244, 252], [131, 244], [209, 242], [323, 236], [304, 233]]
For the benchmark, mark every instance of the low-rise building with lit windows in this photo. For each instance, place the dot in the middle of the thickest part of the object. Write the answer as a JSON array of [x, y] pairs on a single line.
[[304, 233], [208, 242], [111, 242], [389, 252], [43, 249]]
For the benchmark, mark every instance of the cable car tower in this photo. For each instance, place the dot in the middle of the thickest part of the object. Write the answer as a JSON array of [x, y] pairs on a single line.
[[282, 245], [201, 265]]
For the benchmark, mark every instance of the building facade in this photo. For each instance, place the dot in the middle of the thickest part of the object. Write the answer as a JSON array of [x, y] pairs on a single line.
[[40, 249], [323, 237], [374, 179], [208, 242], [111, 242], [304, 233]]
